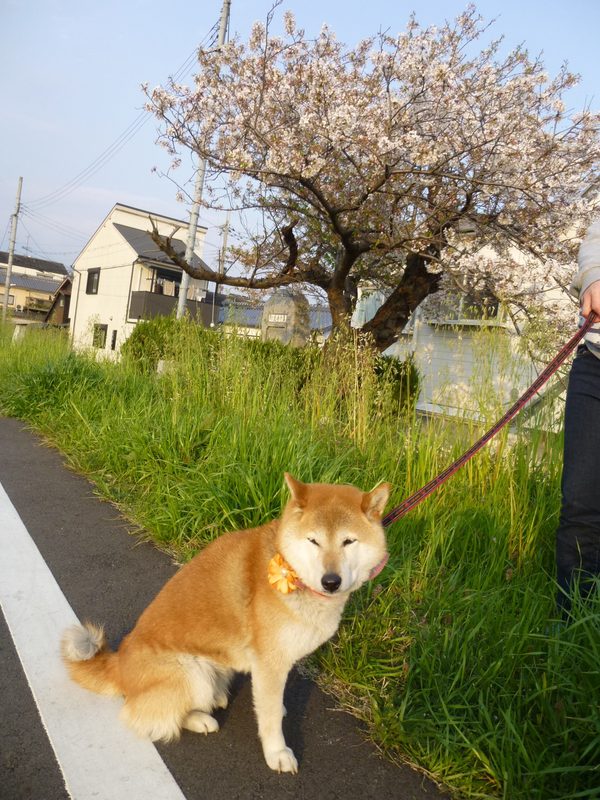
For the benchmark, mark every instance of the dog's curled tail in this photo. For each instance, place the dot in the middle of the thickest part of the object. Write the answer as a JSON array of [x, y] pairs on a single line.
[[89, 661]]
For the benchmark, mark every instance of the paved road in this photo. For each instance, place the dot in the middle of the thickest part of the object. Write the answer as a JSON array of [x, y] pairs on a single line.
[[68, 554]]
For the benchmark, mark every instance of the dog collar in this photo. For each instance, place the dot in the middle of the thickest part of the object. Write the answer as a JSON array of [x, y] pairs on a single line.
[[281, 576], [378, 567], [284, 578]]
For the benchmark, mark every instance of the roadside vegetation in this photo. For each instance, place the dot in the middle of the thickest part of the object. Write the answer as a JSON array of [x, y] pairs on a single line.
[[452, 657]]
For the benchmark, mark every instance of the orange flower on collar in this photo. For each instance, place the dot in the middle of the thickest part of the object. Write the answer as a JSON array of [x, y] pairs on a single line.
[[281, 576]]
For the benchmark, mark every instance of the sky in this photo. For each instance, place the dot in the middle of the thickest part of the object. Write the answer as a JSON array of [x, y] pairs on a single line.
[[72, 121]]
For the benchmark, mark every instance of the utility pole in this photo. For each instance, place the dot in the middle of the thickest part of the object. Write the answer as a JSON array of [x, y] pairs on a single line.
[[11, 249], [224, 238], [193, 225], [222, 252]]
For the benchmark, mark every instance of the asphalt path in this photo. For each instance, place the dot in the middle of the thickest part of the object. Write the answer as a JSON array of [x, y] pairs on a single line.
[[102, 571]]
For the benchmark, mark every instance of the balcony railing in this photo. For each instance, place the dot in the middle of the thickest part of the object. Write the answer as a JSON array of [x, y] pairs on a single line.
[[147, 305]]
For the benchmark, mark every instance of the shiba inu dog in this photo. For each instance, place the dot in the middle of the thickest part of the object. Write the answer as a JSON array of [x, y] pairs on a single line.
[[253, 601]]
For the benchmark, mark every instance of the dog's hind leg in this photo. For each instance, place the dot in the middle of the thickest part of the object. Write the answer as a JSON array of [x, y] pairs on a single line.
[[207, 683], [223, 678], [157, 713], [157, 695], [200, 722]]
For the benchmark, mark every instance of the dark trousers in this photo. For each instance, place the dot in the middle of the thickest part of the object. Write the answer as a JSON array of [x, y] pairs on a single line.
[[578, 534]]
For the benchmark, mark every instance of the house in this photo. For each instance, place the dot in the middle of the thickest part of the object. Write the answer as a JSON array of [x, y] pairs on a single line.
[[33, 283], [466, 363], [121, 277], [468, 354], [59, 312]]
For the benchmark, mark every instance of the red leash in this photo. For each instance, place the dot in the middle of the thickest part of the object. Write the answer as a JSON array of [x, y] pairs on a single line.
[[544, 376]]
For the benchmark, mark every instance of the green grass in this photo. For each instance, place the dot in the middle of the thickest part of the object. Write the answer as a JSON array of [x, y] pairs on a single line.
[[452, 657]]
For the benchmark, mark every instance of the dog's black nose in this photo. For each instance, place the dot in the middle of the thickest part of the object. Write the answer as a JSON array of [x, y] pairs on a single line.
[[331, 582]]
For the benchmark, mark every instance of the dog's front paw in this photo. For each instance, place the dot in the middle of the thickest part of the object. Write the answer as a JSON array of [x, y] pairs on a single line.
[[282, 761]]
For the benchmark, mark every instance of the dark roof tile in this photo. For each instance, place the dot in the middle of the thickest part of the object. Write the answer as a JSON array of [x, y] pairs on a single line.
[[39, 264], [142, 243], [34, 283]]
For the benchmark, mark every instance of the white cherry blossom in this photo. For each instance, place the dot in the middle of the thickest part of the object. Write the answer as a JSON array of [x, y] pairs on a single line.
[[407, 160]]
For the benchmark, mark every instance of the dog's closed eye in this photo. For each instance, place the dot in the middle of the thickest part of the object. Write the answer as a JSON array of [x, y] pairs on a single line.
[[346, 542], [314, 541]]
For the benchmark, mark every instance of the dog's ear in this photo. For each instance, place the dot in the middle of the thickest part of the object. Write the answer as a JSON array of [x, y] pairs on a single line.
[[297, 489], [373, 503]]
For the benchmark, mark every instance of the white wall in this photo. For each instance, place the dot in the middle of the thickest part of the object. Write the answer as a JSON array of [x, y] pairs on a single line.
[[466, 369], [109, 252], [119, 272]]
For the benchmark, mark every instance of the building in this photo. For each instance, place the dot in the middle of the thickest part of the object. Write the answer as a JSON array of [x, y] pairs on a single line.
[[60, 308], [121, 277], [468, 355], [33, 283]]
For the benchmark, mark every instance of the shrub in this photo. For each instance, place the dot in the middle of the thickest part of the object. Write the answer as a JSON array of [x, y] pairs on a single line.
[[151, 341], [399, 379]]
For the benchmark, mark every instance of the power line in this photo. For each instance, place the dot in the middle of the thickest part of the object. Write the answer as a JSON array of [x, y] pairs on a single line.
[[5, 232], [120, 142], [58, 227], [96, 165], [43, 253]]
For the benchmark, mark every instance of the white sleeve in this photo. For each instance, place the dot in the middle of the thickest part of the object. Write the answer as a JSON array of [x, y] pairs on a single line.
[[589, 259]]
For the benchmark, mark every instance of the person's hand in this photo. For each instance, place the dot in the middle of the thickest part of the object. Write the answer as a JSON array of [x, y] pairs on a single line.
[[590, 300]]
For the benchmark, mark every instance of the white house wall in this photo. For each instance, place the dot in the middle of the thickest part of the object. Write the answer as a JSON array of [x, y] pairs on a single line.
[[113, 256], [465, 369], [108, 307], [108, 251]]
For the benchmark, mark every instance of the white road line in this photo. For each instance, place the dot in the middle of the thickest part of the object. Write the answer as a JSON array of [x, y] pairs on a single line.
[[99, 757]]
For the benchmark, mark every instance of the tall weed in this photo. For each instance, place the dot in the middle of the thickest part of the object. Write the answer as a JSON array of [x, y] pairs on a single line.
[[453, 657]]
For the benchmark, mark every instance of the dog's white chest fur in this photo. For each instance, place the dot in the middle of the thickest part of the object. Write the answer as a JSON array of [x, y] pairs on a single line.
[[315, 622]]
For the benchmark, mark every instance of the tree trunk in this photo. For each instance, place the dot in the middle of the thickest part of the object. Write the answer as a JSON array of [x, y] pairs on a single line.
[[340, 307], [341, 288], [391, 317]]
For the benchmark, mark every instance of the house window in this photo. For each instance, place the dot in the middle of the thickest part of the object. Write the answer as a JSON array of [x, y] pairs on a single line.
[[93, 279], [113, 340], [11, 299], [99, 335]]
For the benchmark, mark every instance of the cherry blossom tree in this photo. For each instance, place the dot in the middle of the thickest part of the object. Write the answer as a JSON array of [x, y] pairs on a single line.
[[409, 162]]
